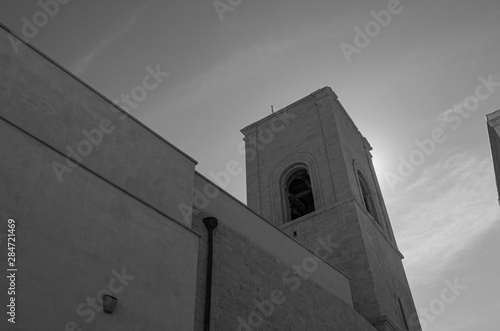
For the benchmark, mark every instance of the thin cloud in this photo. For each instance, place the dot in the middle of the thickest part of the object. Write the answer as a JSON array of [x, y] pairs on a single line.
[[83, 62], [469, 41], [233, 69], [451, 205], [219, 78], [442, 117], [426, 64]]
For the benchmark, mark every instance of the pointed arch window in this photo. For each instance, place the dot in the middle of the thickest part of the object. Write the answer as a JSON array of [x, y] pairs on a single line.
[[299, 194], [367, 196]]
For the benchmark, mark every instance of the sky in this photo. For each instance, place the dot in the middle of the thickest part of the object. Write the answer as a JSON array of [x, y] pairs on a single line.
[[417, 82]]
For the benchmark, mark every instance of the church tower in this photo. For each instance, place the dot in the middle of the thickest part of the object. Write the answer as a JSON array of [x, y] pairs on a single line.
[[310, 173]]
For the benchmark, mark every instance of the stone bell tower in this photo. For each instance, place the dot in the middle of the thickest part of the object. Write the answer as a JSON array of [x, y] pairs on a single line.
[[310, 173]]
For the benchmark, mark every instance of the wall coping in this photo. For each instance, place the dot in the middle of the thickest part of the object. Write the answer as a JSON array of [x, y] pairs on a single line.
[[237, 216], [49, 59]]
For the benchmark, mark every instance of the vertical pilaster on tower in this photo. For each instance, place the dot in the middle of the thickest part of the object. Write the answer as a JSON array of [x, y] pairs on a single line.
[[310, 172]]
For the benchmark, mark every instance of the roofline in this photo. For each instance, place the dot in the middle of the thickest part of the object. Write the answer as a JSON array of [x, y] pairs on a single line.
[[493, 115], [282, 110], [263, 219], [27, 43]]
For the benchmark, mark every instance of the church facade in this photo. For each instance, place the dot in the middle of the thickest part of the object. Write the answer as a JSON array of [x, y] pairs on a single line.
[[116, 230]]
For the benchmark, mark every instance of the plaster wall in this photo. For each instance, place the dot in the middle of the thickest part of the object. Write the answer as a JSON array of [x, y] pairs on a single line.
[[109, 225]]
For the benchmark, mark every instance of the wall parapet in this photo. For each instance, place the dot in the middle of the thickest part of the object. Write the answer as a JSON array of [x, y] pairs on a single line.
[[242, 220]]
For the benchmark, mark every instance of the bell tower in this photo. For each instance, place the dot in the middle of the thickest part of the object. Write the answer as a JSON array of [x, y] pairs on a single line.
[[310, 173]]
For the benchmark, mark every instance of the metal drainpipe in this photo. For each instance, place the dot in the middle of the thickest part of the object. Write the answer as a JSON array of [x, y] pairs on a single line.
[[210, 223]]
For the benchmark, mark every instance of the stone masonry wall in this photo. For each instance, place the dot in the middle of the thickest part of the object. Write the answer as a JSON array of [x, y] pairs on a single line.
[[336, 234], [245, 277], [388, 273], [378, 239], [109, 224]]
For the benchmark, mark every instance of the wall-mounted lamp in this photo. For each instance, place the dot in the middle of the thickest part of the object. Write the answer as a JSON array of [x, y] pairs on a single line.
[[109, 303]]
